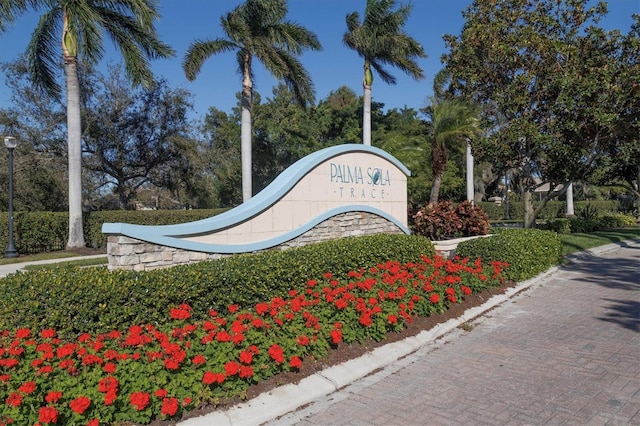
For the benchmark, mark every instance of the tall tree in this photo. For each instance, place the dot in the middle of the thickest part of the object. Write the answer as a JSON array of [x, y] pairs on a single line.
[[257, 28], [133, 136], [559, 83], [380, 40], [453, 123], [76, 27]]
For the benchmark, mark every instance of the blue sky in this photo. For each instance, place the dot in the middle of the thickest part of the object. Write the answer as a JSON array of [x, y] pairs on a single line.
[[184, 21]]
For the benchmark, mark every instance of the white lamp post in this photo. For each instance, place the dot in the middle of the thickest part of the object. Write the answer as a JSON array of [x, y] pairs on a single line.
[[10, 142]]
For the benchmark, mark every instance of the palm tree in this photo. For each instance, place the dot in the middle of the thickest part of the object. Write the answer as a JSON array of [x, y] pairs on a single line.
[[75, 26], [257, 28], [453, 122], [380, 40], [9, 9]]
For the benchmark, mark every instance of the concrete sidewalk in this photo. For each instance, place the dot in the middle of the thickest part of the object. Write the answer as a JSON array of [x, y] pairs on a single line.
[[12, 268], [563, 348]]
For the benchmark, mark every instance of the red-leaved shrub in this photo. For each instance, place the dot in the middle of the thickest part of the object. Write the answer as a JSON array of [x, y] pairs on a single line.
[[444, 221]]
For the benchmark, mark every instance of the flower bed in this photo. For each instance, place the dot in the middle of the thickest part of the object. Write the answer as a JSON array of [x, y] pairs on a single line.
[[159, 372]]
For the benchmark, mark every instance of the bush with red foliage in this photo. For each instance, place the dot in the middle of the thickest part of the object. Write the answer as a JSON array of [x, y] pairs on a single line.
[[444, 220]]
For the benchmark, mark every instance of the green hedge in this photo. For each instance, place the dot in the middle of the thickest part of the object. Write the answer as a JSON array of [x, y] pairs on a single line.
[[589, 224], [528, 251], [40, 232], [94, 300], [553, 209]]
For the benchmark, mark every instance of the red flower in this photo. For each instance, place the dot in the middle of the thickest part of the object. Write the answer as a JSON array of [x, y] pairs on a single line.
[[66, 350], [23, 333], [210, 378], [109, 367], [84, 337], [45, 370], [107, 384], [94, 422], [9, 362], [169, 406], [27, 387], [161, 393], [110, 397], [246, 371], [365, 320], [53, 397], [198, 359], [48, 415], [295, 362], [139, 400], [434, 298], [336, 335], [276, 353], [262, 308], [179, 314], [303, 340], [233, 308], [223, 336], [246, 357], [392, 319], [48, 333], [231, 368], [14, 400], [80, 404]]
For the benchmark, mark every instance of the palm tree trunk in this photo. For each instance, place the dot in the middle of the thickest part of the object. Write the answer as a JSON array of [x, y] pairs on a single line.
[[469, 157], [245, 132], [570, 211], [435, 189], [366, 116], [245, 151], [76, 234]]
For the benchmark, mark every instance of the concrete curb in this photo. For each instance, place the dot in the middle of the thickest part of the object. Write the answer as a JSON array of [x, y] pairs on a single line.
[[280, 401]]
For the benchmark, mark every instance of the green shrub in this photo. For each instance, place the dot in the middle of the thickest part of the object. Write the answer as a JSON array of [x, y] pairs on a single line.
[[553, 209], [94, 300], [41, 232], [584, 225], [528, 251], [561, 226], [611, 221]]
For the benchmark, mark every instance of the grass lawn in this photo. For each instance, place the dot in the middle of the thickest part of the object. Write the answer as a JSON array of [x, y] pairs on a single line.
[[578, 242]]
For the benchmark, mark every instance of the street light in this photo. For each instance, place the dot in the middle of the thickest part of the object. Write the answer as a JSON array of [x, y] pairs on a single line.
[[10, 142]]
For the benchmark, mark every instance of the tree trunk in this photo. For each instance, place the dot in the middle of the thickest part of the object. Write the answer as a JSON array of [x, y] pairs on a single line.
[[435, 189], [366, 116], [570, 211], [529, 214], [470, 191], [74, 142], [245, 133]]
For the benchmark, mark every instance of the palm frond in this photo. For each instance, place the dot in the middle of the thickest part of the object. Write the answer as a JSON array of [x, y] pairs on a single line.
[[42, 52], [381, 40], [201, 50]]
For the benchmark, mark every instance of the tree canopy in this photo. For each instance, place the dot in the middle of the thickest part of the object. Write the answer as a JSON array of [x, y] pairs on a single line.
[[554, 87]]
